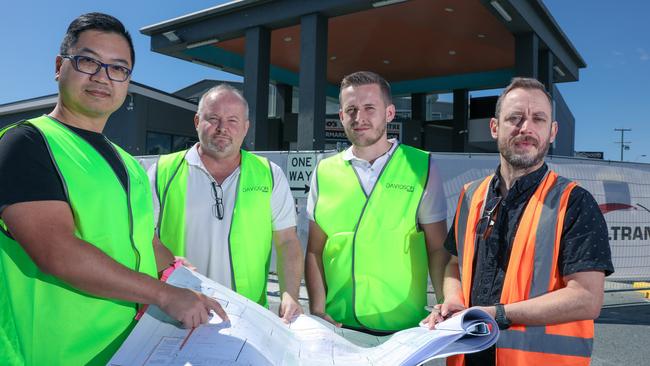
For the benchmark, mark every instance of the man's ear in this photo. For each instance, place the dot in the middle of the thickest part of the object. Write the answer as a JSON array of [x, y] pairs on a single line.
[[554, 127], [494, 127], [57, 67], [390, 112], [196, 121]]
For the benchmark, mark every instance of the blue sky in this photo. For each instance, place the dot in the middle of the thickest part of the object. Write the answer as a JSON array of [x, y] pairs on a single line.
[[613, 38], [614, 90]]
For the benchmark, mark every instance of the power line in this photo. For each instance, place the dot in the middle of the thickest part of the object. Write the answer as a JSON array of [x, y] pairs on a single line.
[[623, 142]]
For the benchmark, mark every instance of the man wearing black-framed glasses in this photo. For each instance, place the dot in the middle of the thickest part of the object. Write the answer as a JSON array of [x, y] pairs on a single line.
[[222, 207], [77, 247], [91, 66], [528, 246]]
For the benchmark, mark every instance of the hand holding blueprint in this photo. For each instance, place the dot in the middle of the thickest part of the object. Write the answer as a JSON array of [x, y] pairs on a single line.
[[256, 336]]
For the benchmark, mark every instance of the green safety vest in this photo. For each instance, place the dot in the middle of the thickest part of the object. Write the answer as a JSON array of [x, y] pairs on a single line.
[[375, 258], [44, 320], [251, 231]]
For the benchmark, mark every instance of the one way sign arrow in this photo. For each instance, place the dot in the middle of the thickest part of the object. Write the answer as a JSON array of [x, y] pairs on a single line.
[[305, 190]]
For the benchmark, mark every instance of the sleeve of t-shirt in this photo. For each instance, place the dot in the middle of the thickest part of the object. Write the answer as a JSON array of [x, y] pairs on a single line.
[[27, 172], [313, 196], [433, 207], [585, 240], [283, 207]]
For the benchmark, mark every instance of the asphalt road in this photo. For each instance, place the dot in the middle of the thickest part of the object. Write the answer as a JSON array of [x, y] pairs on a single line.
[[622, 334]]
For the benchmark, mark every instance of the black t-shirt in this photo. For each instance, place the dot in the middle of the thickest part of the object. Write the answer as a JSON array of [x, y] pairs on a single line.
[[27, 172]]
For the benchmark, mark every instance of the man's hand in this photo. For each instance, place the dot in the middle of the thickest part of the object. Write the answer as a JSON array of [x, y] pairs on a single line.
[[289, 308], [441, 312], [452, 294], [327, 318], [433, 318], [189, 307]]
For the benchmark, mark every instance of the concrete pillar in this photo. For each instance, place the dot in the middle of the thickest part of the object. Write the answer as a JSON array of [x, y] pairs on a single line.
[[546, 77], [546, 69], [312, 79], [284, 102], [419, 107], [461, 117], [257, 60], [526, 55]]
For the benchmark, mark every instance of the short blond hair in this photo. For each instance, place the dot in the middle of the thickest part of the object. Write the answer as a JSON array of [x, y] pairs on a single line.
[[366, 78]]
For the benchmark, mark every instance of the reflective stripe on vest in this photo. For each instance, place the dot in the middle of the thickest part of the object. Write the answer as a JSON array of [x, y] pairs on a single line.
[[468, 208], [532, 271], [370, 235], [171, 175], [44, 320], [251, 231]]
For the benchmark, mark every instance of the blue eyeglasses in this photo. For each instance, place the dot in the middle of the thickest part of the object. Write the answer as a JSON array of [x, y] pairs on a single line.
[[91, 66]]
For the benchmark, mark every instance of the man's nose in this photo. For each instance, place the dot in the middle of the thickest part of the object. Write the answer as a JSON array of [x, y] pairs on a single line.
[[101, 76], [357, 116], [525, 123]]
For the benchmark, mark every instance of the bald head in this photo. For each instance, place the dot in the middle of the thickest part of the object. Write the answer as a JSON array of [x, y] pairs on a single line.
[[220, 89]]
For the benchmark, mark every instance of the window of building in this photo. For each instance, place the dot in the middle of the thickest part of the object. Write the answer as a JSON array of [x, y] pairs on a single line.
[[182, 142], [165, 143], [158, 143]]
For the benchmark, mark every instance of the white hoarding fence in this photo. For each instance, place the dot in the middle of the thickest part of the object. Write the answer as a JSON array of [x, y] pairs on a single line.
[[622, 191]]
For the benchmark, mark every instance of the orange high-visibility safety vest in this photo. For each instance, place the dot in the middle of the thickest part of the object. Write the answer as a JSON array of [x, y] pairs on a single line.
[[532, 271]]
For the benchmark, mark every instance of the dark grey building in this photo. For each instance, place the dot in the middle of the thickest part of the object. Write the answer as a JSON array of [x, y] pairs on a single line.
[[149, 122]]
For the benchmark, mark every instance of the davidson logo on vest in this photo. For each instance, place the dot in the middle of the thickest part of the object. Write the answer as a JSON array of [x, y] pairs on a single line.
[[256, 189], [404, 187]]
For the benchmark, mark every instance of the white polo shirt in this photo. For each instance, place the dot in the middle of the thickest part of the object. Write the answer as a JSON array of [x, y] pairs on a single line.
[[206, 236], [433, 207]]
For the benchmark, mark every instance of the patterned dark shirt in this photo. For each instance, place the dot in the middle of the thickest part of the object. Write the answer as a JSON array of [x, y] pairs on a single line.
[[584, 243]]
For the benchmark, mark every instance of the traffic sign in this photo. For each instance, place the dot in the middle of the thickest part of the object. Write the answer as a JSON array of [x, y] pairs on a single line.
[[300, 167]]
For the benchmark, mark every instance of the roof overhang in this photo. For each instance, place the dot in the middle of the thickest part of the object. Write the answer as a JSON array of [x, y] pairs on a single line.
[[29, 104], [418, 45]]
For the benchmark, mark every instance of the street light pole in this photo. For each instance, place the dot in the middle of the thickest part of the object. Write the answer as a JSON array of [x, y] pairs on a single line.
[[623, 142]]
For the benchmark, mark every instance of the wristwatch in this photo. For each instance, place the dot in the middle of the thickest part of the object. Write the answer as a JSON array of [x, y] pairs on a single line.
[[502, 320]]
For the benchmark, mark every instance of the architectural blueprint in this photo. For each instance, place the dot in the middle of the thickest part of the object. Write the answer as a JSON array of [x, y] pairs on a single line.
[[256, 336]]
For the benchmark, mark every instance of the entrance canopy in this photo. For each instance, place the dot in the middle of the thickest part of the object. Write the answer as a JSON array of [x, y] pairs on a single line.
[[419, 46]]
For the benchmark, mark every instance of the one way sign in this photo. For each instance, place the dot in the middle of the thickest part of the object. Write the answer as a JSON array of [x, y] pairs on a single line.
[[299, 169]]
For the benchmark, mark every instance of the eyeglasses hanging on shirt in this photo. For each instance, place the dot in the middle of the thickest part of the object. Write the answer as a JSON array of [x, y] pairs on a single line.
[[485, 223], [217, 208]]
